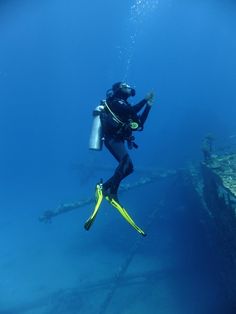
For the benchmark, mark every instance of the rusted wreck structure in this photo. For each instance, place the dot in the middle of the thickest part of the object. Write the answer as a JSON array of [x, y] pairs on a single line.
[[208, 191]]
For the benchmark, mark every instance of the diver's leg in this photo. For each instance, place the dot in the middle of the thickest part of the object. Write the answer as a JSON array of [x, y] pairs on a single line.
[[125, 167]]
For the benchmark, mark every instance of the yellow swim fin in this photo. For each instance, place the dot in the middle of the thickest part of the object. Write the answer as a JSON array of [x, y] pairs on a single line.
[[99, 198], [126, 216]]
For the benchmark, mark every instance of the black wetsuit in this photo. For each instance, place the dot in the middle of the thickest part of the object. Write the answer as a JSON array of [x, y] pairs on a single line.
[[116, 120]]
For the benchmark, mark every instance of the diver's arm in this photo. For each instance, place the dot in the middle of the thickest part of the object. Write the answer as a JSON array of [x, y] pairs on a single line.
[[139, 106], [144, 115], [148, 100]]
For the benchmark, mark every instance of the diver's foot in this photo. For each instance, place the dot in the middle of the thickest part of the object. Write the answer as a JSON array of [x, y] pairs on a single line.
[[112, 196], [100, 186], [106, 192]]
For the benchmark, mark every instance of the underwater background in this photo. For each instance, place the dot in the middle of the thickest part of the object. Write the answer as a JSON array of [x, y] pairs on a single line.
[[57, 60]]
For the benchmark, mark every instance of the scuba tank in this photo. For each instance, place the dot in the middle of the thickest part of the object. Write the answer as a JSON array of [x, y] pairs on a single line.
[[96, 139]]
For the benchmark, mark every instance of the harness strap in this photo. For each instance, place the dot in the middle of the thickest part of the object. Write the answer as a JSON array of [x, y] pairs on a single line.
[[113, 114], [133, 125]]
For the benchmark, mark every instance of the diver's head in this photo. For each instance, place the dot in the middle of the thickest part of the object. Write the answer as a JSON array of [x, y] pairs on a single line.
[[122, 90]]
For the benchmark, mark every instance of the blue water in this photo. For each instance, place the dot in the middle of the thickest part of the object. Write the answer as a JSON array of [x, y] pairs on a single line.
[[57, 59]]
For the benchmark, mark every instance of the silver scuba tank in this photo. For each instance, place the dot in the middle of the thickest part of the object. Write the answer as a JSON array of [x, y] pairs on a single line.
[[96, 140]]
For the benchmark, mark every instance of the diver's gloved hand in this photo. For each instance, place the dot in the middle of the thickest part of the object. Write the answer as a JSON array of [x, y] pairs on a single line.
[[150, 98]]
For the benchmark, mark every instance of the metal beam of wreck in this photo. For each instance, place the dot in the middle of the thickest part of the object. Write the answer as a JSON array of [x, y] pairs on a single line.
[[153, 176]]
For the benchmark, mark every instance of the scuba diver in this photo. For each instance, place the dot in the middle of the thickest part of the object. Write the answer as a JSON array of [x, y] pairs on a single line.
[[117, 119]]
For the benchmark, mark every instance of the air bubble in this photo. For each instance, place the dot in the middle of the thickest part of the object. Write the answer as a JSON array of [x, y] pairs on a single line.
[[139, 11]]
